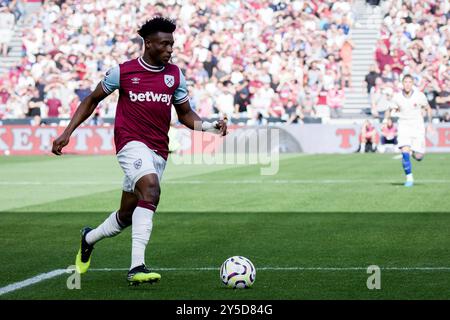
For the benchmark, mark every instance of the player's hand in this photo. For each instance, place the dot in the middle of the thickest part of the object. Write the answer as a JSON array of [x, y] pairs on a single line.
[[431, 130], [59, 143], [222, 127]]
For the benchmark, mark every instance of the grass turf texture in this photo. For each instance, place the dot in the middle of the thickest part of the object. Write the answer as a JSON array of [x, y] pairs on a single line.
[[319, 211]]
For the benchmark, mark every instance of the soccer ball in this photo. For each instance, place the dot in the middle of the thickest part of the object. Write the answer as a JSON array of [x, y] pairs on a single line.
[[238, 272]]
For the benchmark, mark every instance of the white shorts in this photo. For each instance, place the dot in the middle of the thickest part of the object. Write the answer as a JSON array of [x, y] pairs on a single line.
[[412, 136], [138, 160]]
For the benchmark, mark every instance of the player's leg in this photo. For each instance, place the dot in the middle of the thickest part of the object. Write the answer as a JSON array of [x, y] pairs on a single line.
[[143, 170], [116, 221], [362, 148], [127, 205], [373, 139], [406, 162], [418, 147], [418, 156], [405, 139], [147, 190], [112, 226]]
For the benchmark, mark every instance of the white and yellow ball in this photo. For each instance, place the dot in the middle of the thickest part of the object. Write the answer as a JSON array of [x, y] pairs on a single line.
[[238, 272]]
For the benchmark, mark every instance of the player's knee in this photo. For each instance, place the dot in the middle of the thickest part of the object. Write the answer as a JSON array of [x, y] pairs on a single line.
[[147, 189], [418, 156], [150, 193], [125, 217]]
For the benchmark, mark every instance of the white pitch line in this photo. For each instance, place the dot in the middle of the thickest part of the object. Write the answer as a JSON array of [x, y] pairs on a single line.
[[28, 282], [55, 273], [188, 182], [291, 269]]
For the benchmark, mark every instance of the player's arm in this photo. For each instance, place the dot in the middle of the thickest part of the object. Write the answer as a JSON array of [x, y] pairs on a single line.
[[110, 83], [429, 115], [429, 112], [190, 119], [392, 107], [84, 111]]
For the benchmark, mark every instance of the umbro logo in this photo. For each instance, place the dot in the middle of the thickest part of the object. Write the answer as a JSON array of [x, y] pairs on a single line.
[[138, 164], [135, 80]]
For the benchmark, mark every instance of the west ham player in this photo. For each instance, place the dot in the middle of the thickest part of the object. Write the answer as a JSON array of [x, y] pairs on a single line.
[[148, 86], [410, 104]]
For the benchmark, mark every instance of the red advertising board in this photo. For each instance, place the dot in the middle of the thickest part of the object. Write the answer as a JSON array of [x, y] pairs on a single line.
[[97, 140]]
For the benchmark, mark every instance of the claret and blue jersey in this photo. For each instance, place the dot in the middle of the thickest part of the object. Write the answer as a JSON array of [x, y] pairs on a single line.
[[146, 94]]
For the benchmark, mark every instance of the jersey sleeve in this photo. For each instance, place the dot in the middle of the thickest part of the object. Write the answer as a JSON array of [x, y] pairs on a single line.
[[181, 93], [424, 100], [394, 102], [111, 81]]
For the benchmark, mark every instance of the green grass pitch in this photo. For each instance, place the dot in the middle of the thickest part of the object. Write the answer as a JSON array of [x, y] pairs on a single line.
[[311, 230]]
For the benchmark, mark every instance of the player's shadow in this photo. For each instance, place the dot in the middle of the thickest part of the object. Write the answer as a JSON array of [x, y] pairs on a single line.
[[402, 184]]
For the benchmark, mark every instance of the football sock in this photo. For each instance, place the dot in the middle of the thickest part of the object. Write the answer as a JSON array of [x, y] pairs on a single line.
[[406, 161], [363, 148], [109, 228], [141, 230]]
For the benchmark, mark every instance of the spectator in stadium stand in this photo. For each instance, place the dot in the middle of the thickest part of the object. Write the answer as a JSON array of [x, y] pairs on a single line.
[[445, 117], [373, 2], [368, 137], [443, 100], [335, 100], [388, 136], [295, 114], [7, 22], [34, 107], [383, 57], [430, 87], [257, 120], [16, 7], [399, 59], [73, 105], [96, 120], [5, 93], [376, 96], [308, 109], [346, 59], [241, 99], [54, 106], [388, 76], [276, 109], [84, 90], [370, 78], [16, 108]]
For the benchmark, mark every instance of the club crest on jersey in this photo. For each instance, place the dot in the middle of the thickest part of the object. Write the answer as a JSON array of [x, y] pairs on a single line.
[[137, 164], [169, 80], [135, 80]]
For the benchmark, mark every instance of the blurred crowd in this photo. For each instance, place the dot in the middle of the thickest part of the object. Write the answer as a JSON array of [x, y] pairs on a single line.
[[415, 39], [10, 12], [289, 60], [242, 59]]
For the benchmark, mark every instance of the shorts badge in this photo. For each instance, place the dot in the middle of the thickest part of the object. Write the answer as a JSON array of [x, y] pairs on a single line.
[[138, 164]]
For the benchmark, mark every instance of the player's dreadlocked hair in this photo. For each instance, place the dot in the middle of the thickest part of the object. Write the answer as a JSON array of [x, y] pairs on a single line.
[[157, 24]]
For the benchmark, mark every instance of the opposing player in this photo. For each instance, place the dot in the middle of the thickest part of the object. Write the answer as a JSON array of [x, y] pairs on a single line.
[[410, 105], [148, 86]]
